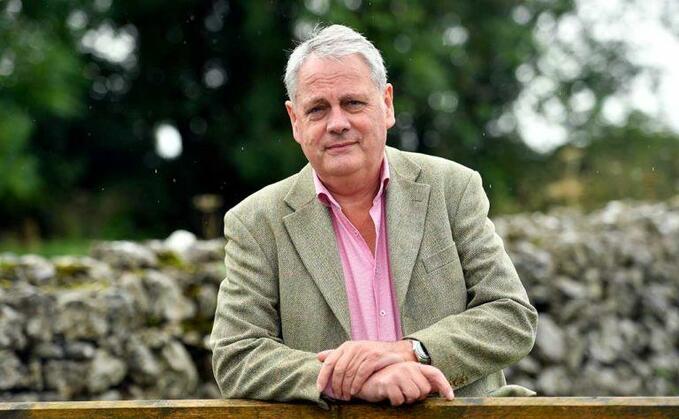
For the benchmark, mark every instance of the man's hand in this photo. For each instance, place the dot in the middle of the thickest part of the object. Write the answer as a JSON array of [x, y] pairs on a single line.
[[405, 382], [353, 362]]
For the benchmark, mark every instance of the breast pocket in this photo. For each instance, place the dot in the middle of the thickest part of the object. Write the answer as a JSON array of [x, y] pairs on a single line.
[[444, 274], [440, 259]]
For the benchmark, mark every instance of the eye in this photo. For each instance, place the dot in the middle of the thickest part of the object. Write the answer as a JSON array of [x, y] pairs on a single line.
[[315, 111], [354, 104]]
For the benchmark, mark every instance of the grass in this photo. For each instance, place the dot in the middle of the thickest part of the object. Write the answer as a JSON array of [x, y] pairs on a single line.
[[48, 248]]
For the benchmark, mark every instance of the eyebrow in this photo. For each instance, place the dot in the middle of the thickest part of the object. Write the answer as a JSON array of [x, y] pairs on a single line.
[[349, 96], [343, 98], [313, 102]]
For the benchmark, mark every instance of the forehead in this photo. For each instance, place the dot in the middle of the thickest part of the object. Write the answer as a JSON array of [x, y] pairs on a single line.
[[334, 75]]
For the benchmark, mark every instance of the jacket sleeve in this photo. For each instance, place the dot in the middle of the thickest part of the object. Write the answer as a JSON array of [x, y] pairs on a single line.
[[498, 326], [249, 358]]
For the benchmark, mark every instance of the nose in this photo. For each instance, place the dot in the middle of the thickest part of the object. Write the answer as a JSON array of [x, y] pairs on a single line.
[[338, 122]]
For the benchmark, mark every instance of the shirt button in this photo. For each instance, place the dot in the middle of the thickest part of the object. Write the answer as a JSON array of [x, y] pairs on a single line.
[[383, 313]]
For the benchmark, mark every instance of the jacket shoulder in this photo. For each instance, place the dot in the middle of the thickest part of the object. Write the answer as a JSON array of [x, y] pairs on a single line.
[[265, 204], [438, 170]]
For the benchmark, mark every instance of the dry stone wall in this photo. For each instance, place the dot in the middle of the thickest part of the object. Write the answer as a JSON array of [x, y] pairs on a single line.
[[131, 321], [606, 285]]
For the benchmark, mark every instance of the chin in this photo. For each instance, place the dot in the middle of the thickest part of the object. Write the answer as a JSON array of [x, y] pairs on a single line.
[[342, 168]]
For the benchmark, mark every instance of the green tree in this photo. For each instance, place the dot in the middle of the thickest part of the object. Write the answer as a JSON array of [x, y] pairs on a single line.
[[83, 86]]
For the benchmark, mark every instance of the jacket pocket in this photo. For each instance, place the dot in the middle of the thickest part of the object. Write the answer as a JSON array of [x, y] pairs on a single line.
[[440, 258]]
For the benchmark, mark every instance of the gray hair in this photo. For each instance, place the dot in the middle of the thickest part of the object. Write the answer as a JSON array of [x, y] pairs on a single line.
[[335, 41]]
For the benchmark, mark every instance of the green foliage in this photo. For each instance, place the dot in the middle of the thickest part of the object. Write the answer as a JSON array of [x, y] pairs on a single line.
[[24, 182], [624, 163], [47, 248], [77, 122]]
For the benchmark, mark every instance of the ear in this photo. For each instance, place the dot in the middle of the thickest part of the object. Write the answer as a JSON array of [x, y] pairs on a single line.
[[290, 107], [389, 105]]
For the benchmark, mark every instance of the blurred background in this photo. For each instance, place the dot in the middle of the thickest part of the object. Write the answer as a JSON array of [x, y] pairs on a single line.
[[133, 119], [128, 121]]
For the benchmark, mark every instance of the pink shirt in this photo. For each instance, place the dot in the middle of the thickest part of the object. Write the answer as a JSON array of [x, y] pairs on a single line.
[[367, 278]]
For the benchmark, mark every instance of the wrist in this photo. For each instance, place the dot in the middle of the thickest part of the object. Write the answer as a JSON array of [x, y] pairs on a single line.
[[405, 350]]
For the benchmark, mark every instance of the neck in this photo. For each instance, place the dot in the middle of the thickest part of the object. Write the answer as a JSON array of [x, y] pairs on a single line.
[[353, 191]]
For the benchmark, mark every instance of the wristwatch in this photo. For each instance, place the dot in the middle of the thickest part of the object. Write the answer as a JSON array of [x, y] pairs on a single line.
[[420, 352]]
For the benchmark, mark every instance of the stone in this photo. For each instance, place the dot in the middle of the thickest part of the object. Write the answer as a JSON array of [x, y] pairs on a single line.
[[79, 350], [36, 270], [79, 272], [182, 377], [68, 378], [180, 241], [529, 365], [107, 371], [11, 328], [143, 366], [37, 307], [48, 350], [572, 288], [124, 255], [206, 299], [80, 317], [169, 302], [21, 397], [111, 395], [34, 378], [554, 381], [550, 341], [120, 310], [133, 285], [206, 251], [12, 371]]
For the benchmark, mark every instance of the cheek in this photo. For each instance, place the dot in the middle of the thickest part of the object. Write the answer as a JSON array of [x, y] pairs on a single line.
[[312, 134]]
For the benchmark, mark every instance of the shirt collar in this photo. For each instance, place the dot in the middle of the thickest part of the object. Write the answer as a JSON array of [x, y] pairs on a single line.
[[326, 197]]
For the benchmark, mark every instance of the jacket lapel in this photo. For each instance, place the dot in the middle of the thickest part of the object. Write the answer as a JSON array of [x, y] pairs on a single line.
[[310, 229], [407, 203]]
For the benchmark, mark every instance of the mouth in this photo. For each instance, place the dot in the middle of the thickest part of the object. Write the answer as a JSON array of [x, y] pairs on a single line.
[[340, 146]]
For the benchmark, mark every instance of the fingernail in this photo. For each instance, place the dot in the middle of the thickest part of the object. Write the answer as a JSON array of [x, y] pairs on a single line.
[[450, 395]]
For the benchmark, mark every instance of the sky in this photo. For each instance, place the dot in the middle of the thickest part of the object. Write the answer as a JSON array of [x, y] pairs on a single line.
[[643, 26]]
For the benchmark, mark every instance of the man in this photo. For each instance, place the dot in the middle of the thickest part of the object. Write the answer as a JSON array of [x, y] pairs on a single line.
[[371, 274]]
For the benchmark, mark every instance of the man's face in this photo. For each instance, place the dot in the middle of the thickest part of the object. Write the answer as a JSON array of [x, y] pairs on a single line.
[[339, 117]]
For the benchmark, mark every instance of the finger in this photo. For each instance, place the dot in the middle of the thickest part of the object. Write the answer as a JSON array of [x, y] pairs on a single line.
[[395, 396], [438, 381], [357, 362], [339, 372], [324, 354], [409, 390], [362, 374], [327, 370], [422, 384], [367, 369]]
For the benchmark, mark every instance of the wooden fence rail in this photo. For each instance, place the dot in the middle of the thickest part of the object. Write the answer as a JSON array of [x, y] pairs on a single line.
[[533, 407]]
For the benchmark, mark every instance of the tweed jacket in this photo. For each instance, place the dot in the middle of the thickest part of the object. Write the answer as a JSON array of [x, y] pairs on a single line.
[[283, 298]]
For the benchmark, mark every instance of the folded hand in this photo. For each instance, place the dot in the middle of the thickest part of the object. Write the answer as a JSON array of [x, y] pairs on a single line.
[[405, 382], [353, 362]]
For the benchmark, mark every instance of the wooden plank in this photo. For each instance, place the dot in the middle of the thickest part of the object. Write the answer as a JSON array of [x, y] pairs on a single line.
[[532, 407]]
